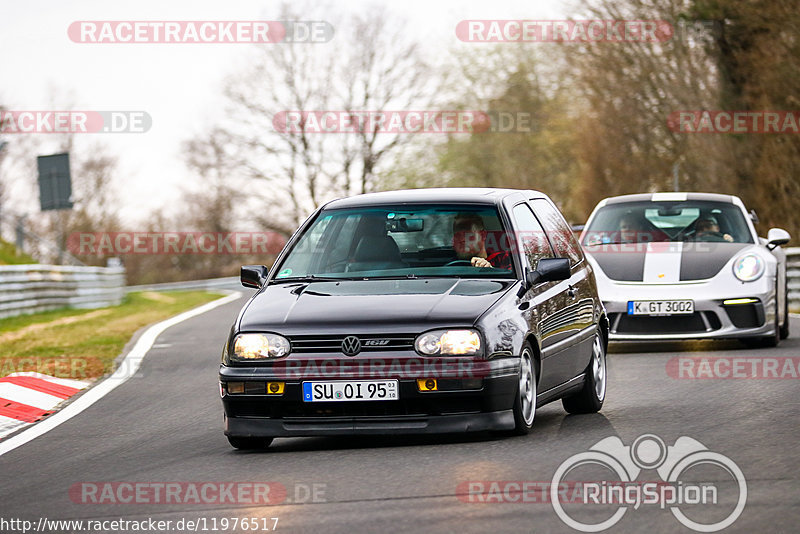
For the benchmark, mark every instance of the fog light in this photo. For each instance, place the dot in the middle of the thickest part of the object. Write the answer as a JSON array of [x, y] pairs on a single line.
[[275, 388], [235, 388], [427, 384], [734, 302]]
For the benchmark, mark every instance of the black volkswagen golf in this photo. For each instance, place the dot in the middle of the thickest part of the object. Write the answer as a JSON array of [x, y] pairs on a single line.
[[423, 311]]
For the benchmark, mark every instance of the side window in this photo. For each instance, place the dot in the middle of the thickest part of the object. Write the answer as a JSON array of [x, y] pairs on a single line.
[[531, 236], [561, 235]]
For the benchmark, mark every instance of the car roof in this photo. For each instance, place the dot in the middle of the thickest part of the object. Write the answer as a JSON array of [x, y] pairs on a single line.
[[475, 195], [666, 197]]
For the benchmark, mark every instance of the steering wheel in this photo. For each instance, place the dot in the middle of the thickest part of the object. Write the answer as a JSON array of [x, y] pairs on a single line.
[[710, 236], [466, 263]]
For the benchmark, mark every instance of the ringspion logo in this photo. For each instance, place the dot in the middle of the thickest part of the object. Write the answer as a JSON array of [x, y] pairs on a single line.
[[622, 464]]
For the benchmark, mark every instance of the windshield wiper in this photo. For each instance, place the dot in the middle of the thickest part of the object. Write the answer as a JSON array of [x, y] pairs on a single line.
[[312, 278], [410, 276]]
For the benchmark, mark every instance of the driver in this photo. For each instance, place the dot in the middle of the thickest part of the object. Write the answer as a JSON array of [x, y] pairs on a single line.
[[708, 227], [469, 242]]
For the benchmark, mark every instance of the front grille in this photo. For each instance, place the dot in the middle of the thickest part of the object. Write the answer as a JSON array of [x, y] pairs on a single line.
[[698, 322], [369, 343]]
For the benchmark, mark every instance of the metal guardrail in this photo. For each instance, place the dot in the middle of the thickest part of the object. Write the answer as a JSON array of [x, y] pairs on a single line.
[[793, 277], [231, 282], [33, 288]]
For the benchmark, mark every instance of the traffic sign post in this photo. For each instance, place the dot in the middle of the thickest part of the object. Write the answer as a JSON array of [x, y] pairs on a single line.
[[55, 183], [55, 191]]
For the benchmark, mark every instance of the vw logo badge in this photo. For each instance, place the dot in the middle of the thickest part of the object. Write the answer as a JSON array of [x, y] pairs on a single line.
[[351, 345]]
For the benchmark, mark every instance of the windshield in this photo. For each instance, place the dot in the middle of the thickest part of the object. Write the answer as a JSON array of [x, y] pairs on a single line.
[[401, 241], [643, 222]]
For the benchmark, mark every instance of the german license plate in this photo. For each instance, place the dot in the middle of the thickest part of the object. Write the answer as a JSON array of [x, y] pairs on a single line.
[[660, 307], [355, 390]]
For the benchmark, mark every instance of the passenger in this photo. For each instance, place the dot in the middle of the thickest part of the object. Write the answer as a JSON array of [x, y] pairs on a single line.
[[631, 229], [635, 228]]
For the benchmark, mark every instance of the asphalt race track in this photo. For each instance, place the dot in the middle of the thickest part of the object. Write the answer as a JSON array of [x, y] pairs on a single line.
[[165, 426]]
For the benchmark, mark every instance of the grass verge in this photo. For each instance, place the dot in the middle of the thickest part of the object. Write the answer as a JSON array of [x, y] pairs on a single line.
[[9, 255], [82, 344]]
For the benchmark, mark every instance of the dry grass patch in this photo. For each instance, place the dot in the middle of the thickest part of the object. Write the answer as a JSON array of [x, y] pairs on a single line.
[[82, 344]]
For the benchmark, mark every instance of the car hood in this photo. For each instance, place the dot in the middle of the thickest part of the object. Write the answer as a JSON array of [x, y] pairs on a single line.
[[665, 263], [370, 305]]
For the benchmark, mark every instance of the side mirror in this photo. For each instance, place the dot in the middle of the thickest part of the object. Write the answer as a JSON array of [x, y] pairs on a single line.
[[253, 275], [777, 237], [547, 270]]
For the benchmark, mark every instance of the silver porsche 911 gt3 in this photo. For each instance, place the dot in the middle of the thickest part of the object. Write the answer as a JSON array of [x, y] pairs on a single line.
[[687, 266]]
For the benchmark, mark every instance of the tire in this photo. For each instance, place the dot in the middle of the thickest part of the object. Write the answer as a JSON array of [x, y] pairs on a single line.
[[785, 326], [525, 399], [591, 397], [249, 444]]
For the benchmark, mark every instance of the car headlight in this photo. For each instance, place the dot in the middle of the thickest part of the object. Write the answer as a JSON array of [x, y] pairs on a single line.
[[448, 343], [260, 346], [748, 267]]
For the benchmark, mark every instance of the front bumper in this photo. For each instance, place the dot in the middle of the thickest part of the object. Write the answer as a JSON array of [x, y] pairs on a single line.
[[712, 319], [486, 406], [441, 424]]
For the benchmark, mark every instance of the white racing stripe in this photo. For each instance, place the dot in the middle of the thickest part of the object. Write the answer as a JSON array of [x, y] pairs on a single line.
[[662, 263], [127, 369], [669, 197]]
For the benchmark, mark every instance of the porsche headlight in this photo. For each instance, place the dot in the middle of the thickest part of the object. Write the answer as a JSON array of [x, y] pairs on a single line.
[[748, 267], [260, 347], [449, 343]]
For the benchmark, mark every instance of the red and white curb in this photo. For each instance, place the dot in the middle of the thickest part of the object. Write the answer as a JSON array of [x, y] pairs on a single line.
[[29, 397], [127, 368]]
